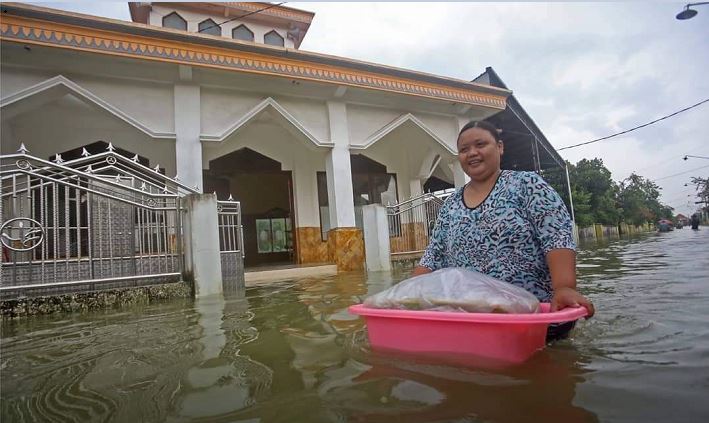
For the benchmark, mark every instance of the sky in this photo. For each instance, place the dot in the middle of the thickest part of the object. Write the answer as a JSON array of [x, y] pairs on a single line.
[[581, 70]]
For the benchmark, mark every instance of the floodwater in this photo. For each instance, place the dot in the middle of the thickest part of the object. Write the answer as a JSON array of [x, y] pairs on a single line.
[[290, 352]]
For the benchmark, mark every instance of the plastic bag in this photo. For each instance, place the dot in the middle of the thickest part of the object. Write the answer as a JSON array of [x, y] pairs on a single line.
[[456, 290]]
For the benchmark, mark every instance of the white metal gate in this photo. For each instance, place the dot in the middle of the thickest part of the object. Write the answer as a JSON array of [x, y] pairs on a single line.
[[101, 219]]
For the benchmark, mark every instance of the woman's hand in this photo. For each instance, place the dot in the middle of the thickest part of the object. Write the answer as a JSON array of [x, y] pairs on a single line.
[[569, 297]]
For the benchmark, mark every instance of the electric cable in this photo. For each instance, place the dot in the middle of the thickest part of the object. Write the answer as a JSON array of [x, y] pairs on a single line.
[[635, 128]]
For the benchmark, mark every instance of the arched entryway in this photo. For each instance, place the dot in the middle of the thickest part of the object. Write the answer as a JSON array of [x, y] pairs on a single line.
[[266, 195]]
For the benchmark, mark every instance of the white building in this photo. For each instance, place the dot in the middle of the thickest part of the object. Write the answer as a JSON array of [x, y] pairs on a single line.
[[301, 139]]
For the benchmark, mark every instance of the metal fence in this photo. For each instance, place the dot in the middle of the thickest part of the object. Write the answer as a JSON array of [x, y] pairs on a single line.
[[101, 220], [411, 223], [231, 244]]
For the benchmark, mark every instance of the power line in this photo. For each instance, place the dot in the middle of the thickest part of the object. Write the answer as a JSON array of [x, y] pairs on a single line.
[[681, 173], [242, 16], [637, 127], [681, 196]]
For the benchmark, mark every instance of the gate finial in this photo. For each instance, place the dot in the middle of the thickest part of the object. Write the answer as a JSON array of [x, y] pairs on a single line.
[[22, 149], [157, 168], [58, 159], [135, 158], [231, 198], [84, 152], [89, 169], [110, 147]]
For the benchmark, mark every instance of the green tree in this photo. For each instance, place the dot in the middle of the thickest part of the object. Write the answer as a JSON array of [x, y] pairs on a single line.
[[582, 207], [592, 177], [556, 177], [639, 199], [702, 185]]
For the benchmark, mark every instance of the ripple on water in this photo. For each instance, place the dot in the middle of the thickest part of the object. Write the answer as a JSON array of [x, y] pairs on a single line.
[[290, 352]]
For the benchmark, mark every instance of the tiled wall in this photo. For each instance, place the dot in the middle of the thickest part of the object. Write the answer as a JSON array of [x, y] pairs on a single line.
[[311, 247], [346, 245]]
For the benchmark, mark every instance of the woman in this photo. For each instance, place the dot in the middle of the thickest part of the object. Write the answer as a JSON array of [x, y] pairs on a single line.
[[507, 224]]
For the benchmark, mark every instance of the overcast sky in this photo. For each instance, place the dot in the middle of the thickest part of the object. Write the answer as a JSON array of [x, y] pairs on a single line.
[[581, 70]]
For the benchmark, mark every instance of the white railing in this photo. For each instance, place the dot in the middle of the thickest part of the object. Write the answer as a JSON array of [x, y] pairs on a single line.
[[411, 223]]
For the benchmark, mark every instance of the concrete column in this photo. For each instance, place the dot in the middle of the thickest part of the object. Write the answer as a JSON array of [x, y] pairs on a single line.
[[204, 244], [376, 237], [188, 148], [415, 187], [459, 177], [339, 170]]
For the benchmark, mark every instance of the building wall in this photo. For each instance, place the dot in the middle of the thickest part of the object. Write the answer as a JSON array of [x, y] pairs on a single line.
[[221, 108], [152, 105], [366, 121], [144, 91], [193, 19], [69, 120], [275, 142], [148, 102]]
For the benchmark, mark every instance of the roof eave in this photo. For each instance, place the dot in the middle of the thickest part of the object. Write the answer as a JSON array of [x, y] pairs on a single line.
[[139, 29]]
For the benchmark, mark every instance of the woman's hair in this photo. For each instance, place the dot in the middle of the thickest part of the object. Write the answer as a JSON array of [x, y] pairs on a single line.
[[485, 126]]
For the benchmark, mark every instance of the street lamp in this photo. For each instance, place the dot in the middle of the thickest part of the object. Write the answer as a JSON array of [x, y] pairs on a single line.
[[687, 156], [688, 13]]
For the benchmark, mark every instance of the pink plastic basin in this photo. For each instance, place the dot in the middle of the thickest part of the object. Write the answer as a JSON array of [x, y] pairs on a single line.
[[511, 338]]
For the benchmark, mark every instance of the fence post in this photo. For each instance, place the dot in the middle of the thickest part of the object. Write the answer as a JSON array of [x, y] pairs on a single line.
[[376, 237], [204, 244]]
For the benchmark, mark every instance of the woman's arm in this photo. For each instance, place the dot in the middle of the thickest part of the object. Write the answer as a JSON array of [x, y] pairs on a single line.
[[562, 267], [420, 270], [553, 228], [434, 257]]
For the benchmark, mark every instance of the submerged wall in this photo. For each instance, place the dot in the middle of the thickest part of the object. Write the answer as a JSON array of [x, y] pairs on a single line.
[[87, 301]]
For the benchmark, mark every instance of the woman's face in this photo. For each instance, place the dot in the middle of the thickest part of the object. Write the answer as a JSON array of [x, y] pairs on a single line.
[[479, 154]]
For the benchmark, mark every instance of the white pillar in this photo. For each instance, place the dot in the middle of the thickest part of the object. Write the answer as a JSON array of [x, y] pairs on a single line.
[[339, 170], [188, 149], [376, 237], [459, 177], [203, 241], [415, 187]]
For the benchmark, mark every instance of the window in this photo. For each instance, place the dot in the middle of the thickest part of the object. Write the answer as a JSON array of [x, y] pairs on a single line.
[[210, 27], [175, 21], [273, 38], [241, 32]]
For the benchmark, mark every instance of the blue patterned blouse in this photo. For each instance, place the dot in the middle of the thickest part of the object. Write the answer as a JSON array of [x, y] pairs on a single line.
[[507, 236]]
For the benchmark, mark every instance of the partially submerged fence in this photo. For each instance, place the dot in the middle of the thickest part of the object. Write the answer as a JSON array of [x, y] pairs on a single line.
[[96, 222], [598, 231]]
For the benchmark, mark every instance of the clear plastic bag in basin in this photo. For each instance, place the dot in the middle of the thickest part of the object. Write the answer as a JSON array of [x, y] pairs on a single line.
[[457, 290]]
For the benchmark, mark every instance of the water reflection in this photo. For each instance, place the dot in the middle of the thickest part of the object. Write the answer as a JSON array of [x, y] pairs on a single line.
[[410, 390], [221, 383]]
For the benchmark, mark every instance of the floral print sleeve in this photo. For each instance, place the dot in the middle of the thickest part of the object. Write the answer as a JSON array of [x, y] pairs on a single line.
[[435, 255], [547, 213]]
